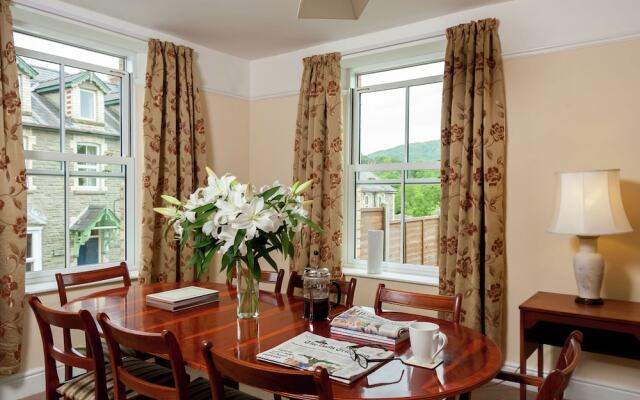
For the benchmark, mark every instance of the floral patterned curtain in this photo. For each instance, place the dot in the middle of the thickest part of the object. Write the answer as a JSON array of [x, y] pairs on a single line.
[[471, 259], [13, 203], [318, 156], [174, 155]]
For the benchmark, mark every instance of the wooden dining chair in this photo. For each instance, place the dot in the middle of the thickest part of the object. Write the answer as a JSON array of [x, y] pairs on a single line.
[[96, 383], [347, 288], [66, 281], [164, 344], [273, 277], [265, 377], [433, 302], [553, 386]]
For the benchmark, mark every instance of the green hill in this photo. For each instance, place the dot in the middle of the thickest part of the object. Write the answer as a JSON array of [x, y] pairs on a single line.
[[418, 152]]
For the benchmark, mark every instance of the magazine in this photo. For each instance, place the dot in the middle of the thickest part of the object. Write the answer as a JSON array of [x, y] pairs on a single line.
[[308, 351], [363, 321]]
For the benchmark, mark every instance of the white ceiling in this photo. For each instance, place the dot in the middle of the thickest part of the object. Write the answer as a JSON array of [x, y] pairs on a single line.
[[258, 28]]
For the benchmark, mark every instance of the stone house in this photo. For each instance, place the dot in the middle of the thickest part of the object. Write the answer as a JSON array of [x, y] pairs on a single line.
[[95, 204]]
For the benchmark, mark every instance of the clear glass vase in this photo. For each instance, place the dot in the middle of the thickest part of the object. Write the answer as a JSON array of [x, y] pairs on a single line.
[[247, 292]]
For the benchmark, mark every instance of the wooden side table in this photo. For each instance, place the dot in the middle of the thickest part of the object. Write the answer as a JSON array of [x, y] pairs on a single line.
[[548, 318]]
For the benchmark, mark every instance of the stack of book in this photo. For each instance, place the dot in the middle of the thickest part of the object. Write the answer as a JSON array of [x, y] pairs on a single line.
[[183, 298], [362, 325]]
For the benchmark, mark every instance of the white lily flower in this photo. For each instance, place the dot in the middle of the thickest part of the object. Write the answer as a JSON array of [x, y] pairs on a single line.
[[221, 186], [254, 216]]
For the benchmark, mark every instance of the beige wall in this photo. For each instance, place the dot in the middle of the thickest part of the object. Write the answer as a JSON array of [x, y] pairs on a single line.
[[571, 109]]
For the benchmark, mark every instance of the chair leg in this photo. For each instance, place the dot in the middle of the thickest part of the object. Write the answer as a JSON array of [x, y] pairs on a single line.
[[465, 396], [277, 397]]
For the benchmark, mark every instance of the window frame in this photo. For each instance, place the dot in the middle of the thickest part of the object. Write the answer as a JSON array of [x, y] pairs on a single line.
[[428, 272], [94, 97], [66, 158]]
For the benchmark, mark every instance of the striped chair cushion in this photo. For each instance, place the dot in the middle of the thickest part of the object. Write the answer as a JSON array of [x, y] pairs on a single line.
[[199, 390], [83, 387]]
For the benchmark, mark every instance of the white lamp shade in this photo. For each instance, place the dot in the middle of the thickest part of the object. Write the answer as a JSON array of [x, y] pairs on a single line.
[[588, 203]]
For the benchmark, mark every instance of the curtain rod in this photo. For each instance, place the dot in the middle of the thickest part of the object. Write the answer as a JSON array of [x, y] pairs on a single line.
[[47, 10], [424, 38]]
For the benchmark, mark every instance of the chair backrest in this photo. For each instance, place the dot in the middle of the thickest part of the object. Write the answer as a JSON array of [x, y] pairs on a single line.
[[65, 281], [92, 361], [557, 381], [164, 343], [347, 288], [434, 302], [274, 277], [265, 377]]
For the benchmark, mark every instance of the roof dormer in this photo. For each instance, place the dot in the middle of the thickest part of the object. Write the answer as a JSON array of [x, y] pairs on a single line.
[[84, 96], [25, 74]]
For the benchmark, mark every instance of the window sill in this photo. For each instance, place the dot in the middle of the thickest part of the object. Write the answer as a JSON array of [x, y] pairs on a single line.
[[52, 286], [427, 280], [76, 190]]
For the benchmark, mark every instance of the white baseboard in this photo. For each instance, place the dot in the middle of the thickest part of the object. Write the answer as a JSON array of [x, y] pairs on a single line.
[[25, 384], [580, 389], [31, 382]]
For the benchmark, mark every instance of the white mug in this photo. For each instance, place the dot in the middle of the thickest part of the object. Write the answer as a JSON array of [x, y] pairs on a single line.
[[426, 340]]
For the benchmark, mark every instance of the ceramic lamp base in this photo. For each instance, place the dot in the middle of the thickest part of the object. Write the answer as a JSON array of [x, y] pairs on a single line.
[[589, 302], [588, 266]]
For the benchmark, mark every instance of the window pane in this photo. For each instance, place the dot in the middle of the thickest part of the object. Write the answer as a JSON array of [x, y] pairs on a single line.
[[430, 174], [422, 210], [64, 50], [93, 112], [382, 126], [378, 208], [45, 213], [425, 103], [378, 175], [96, 216], [401, 74], [40, 97], [88, 104]]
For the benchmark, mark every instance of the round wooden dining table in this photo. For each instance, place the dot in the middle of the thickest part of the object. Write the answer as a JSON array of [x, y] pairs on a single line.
[[470, 358]]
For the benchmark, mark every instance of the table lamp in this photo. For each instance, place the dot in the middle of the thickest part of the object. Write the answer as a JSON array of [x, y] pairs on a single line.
[[588, 204]]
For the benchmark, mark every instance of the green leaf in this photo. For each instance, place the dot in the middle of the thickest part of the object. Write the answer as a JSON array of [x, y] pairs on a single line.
[[307, 222], [285, 244], [168, 211], [269, 192], [239, 236], [204, 208], [265, 254], [171, 200]]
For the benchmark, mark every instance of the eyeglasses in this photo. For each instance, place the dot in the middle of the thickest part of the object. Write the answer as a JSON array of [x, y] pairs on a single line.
[[363, 360]]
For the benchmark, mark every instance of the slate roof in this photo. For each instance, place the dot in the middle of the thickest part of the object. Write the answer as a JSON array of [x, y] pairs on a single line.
[[46, 114]]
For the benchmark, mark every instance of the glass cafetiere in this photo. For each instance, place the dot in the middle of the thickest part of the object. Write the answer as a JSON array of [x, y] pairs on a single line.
[[316, 284]]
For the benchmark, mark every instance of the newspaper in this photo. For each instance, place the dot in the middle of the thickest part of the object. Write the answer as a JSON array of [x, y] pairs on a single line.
[[308, 351], [363, 320]]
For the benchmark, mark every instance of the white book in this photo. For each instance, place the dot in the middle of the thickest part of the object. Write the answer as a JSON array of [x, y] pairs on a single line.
[[184, 296], [178, 307]]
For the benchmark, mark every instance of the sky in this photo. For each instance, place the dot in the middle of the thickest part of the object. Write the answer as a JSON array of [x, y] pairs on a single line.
[[382, 117]]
